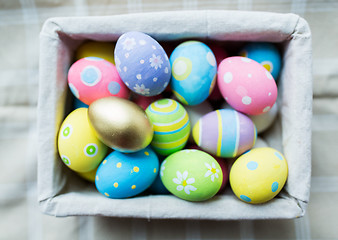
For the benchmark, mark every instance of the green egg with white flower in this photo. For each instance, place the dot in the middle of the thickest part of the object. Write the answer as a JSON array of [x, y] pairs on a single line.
[[191, 174]]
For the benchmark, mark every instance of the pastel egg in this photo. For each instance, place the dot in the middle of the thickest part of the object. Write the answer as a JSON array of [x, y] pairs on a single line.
[[191, 175], [265, 120], [225, 133], [120, 124], [122, 175], [258, 175], [78, 104], [142, 63], [103, 50], [246, 85], [195, 113], [78, 146], [171, 126], [193, 72], [92, 78], [266, 54], [143, 101], [157, 186]]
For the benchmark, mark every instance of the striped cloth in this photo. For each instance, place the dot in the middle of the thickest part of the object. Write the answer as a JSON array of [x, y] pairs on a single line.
[[20, 24]]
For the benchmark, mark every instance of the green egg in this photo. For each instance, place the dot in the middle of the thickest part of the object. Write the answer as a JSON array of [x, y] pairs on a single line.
[[192, 175]]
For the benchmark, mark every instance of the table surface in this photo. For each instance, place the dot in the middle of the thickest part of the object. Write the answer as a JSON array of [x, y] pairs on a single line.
[[20, 24]]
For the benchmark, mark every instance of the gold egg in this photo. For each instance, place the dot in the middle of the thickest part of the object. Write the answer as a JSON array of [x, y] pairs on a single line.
[[120, 124]]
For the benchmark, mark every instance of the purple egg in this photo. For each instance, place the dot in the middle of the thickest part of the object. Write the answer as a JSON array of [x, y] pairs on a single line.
[[225, 133], [142, 63]]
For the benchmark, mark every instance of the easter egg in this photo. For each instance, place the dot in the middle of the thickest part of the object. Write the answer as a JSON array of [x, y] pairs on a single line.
[[78, 104], [143, 101], [103, 50], [260, 142], [266, 54], [92, 78], [142, 63], [89, 176], [191, 174], [225, 133], [246, 85], [265, 120], [258, 175], [193, 72], [122, 175], [120, 124], [78, 146], [195, 113], [171, 126]]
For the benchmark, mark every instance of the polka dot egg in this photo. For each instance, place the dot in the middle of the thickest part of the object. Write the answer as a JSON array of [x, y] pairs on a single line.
[[225, 133], [258, 175], [266, 54], [193, 72], [122, 175], [191, 175], [171, 126], [92, 78], [79, 148], [246, 85], [142, 63]]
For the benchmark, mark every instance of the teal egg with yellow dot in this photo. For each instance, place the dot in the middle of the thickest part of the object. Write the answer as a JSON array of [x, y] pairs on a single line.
[[192, 175], [123, 175], [171, 126], [193, 72], [258, 175], [78, 146]]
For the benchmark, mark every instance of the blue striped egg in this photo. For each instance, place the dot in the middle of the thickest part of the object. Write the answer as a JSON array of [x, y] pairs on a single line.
[[225, 133], [193, 72], [171, 126]]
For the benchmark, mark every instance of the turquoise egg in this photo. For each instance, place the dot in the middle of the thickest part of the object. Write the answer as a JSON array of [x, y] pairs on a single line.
[[193, 72], [123, 175], [266, 54]]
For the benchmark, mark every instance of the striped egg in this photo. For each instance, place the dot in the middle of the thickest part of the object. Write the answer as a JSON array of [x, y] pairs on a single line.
[[171, 126], [225, 133]]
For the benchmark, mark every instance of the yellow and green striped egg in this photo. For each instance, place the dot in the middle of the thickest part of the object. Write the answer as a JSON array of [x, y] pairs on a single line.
[[171, 126]]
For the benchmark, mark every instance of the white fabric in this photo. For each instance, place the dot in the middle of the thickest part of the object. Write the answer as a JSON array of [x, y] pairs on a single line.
[[62, 194]]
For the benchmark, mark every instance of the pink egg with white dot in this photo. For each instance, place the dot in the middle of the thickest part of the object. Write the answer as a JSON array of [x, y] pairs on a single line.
[[92, 78], [246, 85]]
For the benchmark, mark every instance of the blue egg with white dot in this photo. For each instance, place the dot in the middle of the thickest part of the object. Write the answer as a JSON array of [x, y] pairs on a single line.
[[122, 175], [266, 54], [193, 72], [142, 64], [258, 175]]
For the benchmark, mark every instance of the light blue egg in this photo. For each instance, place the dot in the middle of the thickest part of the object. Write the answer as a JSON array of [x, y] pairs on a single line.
[[157, 187], [77, 103], [266, 54], [122, 175], [193, 72]]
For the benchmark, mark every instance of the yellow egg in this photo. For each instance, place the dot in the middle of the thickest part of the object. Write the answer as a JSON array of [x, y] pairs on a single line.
[[120, 124], [89, 176], [103, 50], [258, 175], [79, 148]]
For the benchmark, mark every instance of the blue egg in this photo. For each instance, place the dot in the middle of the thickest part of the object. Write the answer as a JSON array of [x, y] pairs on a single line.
[[266, 54], [142, 63], [79, 104], [157, 187], [122, 175], [193, 72]]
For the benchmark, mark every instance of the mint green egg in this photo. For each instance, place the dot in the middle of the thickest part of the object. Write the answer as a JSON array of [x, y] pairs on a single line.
[[192, 175]]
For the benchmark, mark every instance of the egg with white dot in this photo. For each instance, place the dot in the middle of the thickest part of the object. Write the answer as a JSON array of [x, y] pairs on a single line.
[[92, 78], [123, 175], [139, 60], [258, 175], [246, 85], [193, 72], [78, 146]]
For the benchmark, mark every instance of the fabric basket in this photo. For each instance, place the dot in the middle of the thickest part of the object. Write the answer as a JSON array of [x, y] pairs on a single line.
[[62, 193]]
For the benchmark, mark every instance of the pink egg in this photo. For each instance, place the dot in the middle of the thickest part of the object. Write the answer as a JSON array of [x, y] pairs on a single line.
[[143, 101], [92, 78], [246, 85]]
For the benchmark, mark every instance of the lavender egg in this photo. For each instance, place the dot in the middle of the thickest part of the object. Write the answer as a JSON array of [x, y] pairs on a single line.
[[225, 133], [142, 63]]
